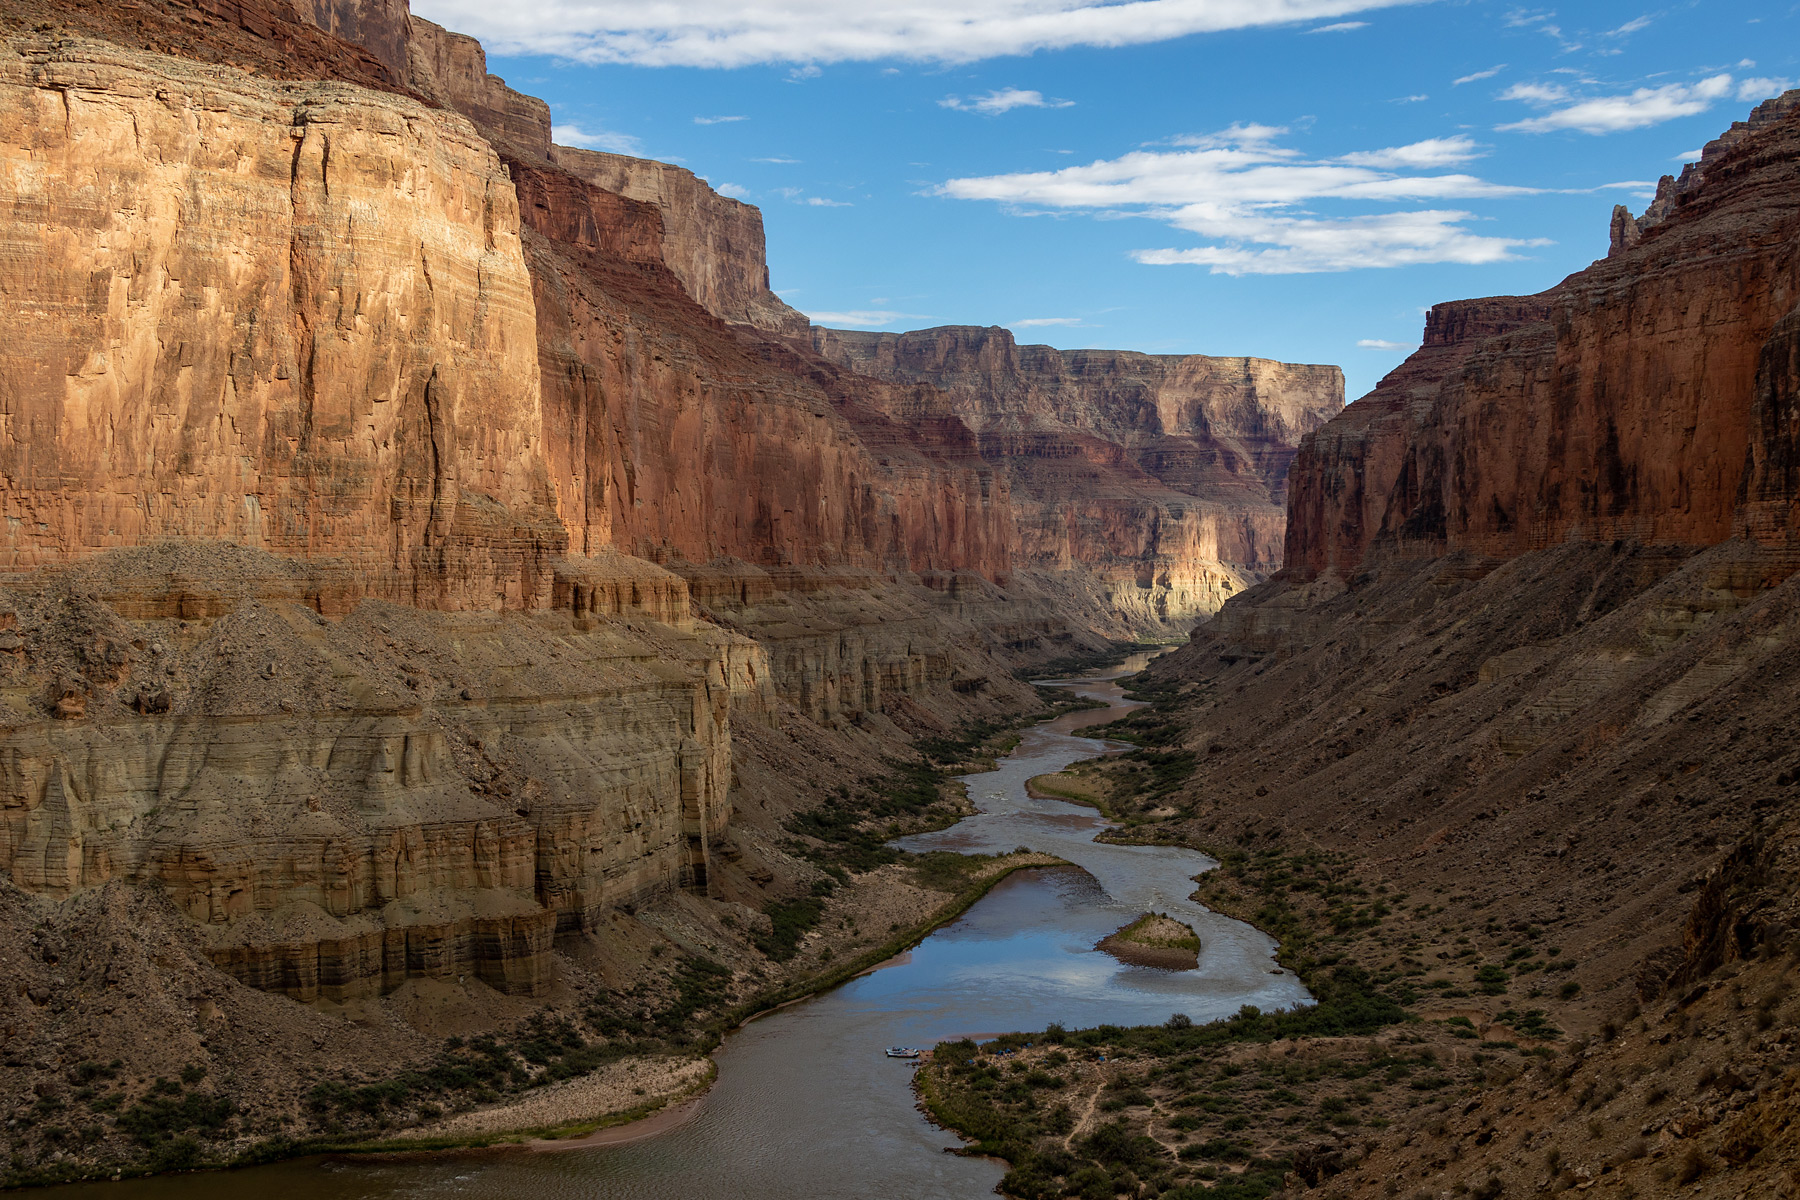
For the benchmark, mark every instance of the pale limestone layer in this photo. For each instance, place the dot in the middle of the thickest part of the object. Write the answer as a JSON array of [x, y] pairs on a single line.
[[344, 805], [290, 315]]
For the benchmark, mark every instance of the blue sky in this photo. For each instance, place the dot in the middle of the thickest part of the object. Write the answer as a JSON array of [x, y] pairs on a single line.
[[1296, 179]]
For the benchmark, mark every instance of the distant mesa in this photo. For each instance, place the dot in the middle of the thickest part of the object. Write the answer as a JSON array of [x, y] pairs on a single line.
[[1155, 940]]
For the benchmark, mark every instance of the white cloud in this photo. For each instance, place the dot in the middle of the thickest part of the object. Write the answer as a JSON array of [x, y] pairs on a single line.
[[1038, 322], [1479, 75], [1688, 156], [718, 120], [1629, 27], [861, 318], [1762, 89], [1253, 200], [1004, 100], [1536, 93], [1410, 99], [787, 161], [736, 191], [1610, 114], [575, 135], [1340, 27], [1419, 156], [821, 202], [1384, 344], [730, 33]]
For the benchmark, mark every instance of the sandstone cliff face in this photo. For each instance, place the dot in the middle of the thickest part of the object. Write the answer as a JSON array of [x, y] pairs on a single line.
[[669, 434], [221, 345], [712, 243], [1646, 398], [451, 69], [305, 317], [1154, 483]]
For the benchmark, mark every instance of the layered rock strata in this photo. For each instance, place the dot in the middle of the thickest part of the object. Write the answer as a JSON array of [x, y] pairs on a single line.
[[1150, 485], [344, 805], [712, 243], [221, 345], [1532, 659], [1645, 398]]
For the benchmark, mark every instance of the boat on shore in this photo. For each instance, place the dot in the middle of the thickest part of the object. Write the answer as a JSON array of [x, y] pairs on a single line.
[[902, 1052]]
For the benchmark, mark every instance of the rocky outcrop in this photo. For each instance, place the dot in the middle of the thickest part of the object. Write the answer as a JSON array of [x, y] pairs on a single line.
[[1152, 484], [1647, 398], [669, 434], [1627, 230], [451, 69], [221, 346], [344, 805], [712, 243]]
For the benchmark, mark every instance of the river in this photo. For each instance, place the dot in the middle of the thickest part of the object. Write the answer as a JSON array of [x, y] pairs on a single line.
[[805, 1105]]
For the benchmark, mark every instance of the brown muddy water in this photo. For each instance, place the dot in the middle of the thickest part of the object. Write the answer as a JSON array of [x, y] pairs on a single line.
[[805, 1105]]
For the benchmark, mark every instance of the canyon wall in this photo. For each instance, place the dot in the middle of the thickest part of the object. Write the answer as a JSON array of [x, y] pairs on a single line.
[[343, 805], [294, 354], [1154, 484], [712, 243], [1531, 660], [1646, 398], [219, 345]]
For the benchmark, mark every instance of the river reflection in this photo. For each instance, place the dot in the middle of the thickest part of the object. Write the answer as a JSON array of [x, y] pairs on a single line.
[[805, 1105]]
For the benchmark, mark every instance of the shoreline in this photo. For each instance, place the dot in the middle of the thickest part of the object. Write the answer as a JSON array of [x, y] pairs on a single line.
[[656, 1114], [671, 1111]]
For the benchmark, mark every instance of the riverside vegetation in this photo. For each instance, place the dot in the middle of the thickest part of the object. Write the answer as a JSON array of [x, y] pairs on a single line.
[[677, 1012]]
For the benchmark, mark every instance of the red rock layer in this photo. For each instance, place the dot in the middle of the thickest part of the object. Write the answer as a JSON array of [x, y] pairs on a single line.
[[221, 345], [1155, 480], [670, 433], [1648, 397]]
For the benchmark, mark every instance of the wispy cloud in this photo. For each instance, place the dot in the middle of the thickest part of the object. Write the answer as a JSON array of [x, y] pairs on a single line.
[[862, 318], [730, 33], [1479, 75], [1040, 322], [822, 202], [785, 161], [599, 139], [1636, 109], [1384, 344], [1630, 27], [1254, 202], [1340, 27], [1004, 100], [734, 190], [1418, 156], [718, 120], [1539, 21]]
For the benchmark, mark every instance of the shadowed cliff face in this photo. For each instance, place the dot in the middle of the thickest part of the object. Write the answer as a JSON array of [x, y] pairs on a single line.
[[1648, 397], [1531, 660], [672, 433], [1153, 483]]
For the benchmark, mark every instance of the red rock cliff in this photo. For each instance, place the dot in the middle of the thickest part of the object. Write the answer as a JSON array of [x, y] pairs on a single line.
[[1649, 397], [218, 345], [1155, 479]]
